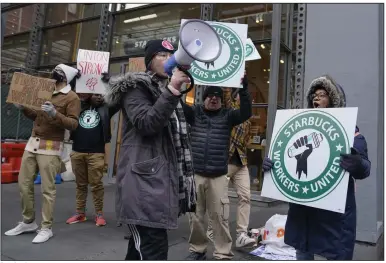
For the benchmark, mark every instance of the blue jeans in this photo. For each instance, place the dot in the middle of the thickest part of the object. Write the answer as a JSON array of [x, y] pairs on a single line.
[[304, 255]]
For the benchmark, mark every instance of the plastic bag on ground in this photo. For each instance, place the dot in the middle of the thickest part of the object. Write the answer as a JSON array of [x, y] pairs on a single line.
[[273, 237]]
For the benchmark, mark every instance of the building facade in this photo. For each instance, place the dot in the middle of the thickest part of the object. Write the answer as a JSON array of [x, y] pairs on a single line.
[[296, 43]]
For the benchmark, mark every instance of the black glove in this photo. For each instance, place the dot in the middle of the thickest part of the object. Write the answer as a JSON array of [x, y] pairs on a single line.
[[267, 164], [301, 165], [105, 77], [352, 163]]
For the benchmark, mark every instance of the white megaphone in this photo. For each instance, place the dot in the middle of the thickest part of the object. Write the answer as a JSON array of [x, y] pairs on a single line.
[[198, 41]]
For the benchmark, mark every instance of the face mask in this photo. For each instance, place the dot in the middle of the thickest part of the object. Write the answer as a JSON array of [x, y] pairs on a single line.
[[56, 76]]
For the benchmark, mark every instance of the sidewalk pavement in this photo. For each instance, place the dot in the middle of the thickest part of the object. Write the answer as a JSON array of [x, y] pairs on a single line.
[[85, 241]]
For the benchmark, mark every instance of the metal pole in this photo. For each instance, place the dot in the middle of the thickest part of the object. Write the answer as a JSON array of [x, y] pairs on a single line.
[[288, 83], [35, 39], [18, 125], [274, 73]]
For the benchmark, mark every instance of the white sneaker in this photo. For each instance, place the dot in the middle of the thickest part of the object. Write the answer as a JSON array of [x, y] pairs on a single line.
[[22, 228], [43, 235], [244, 240]]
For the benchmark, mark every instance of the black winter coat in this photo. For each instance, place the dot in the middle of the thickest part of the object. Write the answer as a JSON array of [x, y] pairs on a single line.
[[321, 232], [210, 134]]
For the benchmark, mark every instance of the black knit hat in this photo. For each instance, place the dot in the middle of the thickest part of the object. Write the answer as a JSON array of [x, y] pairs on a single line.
[[154, 46], [213, 90]]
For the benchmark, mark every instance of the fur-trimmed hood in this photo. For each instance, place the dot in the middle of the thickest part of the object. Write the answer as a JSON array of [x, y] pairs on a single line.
[[334, 90], [118, 85]]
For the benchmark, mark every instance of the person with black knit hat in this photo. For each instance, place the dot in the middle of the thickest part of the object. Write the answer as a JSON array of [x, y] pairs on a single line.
[[155, 178], [211, 127]]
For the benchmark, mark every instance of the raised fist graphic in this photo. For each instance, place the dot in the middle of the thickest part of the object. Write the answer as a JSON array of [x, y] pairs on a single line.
[[302, 157]]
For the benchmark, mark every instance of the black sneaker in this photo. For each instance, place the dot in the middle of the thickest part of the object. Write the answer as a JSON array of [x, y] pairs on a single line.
[[196, 256]]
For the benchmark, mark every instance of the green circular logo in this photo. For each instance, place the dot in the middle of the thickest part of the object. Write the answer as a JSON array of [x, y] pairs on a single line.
[[306, 155], [248, 50], [89, 119], [229, 62]]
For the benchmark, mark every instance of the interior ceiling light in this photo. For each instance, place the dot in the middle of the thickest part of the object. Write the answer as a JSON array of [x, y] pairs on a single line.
[[268, 81], [262, 46], [281, 61], [140, 18], [264, 70]]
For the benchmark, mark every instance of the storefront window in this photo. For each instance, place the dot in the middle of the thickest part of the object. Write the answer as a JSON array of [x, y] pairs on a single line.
[[132, 30], [18, 20], [14, 51], [60, 45], [62, 13], [257, 16]]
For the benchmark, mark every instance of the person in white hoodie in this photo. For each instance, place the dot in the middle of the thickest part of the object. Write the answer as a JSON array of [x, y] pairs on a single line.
[[43, 150]]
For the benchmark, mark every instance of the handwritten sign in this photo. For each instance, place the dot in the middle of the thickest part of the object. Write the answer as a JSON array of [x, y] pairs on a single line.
[[137, 65], [30, 91], [92, 64]]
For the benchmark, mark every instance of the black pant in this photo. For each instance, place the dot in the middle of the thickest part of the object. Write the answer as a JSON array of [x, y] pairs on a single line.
[[147, 243]]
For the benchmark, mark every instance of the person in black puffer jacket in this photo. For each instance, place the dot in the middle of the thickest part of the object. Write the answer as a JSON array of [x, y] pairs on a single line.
[[211, 128]]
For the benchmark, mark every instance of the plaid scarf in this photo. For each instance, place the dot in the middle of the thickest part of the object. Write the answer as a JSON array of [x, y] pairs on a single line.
[[181, 139]]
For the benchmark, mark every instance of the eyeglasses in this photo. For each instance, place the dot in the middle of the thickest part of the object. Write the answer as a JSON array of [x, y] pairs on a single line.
[[321, 95], [213, 95]]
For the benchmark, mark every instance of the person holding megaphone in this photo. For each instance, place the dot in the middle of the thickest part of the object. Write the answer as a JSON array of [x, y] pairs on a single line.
[[155, 178]]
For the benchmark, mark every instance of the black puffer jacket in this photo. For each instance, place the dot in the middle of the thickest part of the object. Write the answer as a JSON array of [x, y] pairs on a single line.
[[210, 134]]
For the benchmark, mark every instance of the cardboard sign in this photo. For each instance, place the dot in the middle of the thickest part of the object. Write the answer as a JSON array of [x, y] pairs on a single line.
[[92, 64], [251, 52], [305, 148], [30, 91], [228, 69], [137, 64]]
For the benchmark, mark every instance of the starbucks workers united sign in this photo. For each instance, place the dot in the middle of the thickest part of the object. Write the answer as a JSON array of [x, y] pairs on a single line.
[[228, 69], [305, 148]]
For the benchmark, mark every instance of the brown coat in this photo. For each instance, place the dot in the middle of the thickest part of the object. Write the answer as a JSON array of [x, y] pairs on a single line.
[[67, 107]]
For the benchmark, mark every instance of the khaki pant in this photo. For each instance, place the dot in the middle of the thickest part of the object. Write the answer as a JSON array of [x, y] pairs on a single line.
[[48, 166], [212, 196], [239, 176], [88, 169]]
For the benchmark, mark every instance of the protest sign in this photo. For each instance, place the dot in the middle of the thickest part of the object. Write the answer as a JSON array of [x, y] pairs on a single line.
[[92, 64], [305, 148], [137, 64], [228, 69], [30, 91], [251, 52]]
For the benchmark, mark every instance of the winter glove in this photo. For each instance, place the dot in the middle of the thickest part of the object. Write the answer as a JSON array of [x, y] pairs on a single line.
[[105, 77], [267, 164], [49, 108], [20, 107], [352, 163]]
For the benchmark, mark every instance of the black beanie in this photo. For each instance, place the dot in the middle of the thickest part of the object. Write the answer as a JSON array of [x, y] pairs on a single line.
[[154, 46], [213, 90]]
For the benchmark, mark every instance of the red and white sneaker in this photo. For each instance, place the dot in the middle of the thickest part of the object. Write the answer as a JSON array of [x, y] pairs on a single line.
[[78, 217], [99, 220]]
